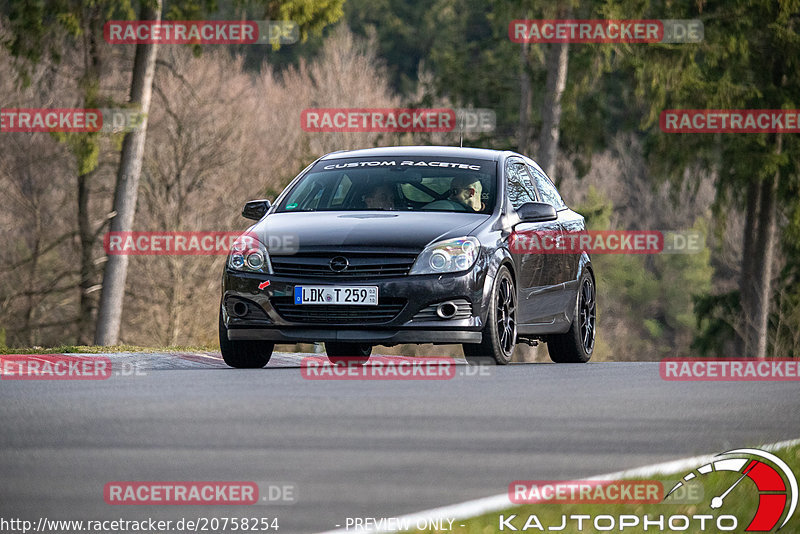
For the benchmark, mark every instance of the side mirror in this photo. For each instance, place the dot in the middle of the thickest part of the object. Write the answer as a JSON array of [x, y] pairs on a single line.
[[255, 209], [536, 212]]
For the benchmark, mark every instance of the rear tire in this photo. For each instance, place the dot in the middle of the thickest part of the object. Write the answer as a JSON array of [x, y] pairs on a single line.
[[348, 353], [243, 354], [577, 344], [500, 332]]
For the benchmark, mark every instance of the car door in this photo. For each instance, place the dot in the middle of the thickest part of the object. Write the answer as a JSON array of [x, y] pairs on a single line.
[[537, 273], [569, 222]]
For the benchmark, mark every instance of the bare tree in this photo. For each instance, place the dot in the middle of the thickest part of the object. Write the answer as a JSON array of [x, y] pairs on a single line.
[[38, 274], [523, 134], [111, 300], [556, 63]]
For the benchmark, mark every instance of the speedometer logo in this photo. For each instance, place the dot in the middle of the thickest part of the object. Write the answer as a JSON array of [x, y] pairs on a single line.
[[771, 479]]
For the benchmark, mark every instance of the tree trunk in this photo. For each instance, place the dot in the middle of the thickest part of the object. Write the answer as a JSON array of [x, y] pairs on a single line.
[[747, 277], [758, 259], [556, 62], [111, 300], [86, 234], [87, 269], [765, 243], [523, 136], [32, 300]]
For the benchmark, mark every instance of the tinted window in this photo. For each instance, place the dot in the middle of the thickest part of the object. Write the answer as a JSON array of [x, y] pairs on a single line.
[[547, 190], [395, 184], [520, 189]]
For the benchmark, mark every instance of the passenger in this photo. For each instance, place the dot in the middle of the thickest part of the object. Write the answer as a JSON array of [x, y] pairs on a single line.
[[465, 195]]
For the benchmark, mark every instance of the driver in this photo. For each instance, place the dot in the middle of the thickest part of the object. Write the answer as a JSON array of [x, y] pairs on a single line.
[[465, 195], [382, 197]]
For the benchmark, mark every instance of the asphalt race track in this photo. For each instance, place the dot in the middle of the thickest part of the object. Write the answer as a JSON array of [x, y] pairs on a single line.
[[356, 448]]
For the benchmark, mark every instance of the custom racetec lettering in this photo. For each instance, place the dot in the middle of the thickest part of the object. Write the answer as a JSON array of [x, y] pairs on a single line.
[[406, 163], [393, 163]]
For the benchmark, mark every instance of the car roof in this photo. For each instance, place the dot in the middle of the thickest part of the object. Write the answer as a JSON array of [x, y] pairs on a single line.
[[416, 151]]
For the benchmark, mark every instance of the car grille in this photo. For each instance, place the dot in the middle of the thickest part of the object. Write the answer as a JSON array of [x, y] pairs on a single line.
[[360, 265], [385, 311]]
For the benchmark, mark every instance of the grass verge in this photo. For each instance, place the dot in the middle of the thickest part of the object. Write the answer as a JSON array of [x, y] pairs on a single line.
[[95, 349], [741, 502]]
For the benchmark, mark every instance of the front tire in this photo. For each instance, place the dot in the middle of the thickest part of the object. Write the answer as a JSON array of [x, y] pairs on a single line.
[[577, 344], [500, 332], [348, 353], [243, 354]]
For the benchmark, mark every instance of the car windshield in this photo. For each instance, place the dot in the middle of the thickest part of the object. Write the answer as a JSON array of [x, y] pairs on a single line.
[[395, 184]]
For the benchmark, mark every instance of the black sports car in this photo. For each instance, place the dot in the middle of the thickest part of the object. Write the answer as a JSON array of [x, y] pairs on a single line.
[[408, 245]]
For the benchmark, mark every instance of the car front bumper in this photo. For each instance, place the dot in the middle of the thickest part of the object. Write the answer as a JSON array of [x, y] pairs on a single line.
[[415, 296]]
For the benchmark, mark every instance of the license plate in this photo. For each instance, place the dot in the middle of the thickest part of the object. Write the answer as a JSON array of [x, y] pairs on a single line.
[[351, 295]]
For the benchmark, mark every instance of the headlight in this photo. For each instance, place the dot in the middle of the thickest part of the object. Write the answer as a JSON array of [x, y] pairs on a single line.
[[450, 256], [250, 255]]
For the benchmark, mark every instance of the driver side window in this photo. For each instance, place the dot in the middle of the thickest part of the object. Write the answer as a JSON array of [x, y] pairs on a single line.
[[520, 188]]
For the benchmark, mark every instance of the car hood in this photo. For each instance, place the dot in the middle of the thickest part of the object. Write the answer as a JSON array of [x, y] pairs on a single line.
[[367, 229]]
